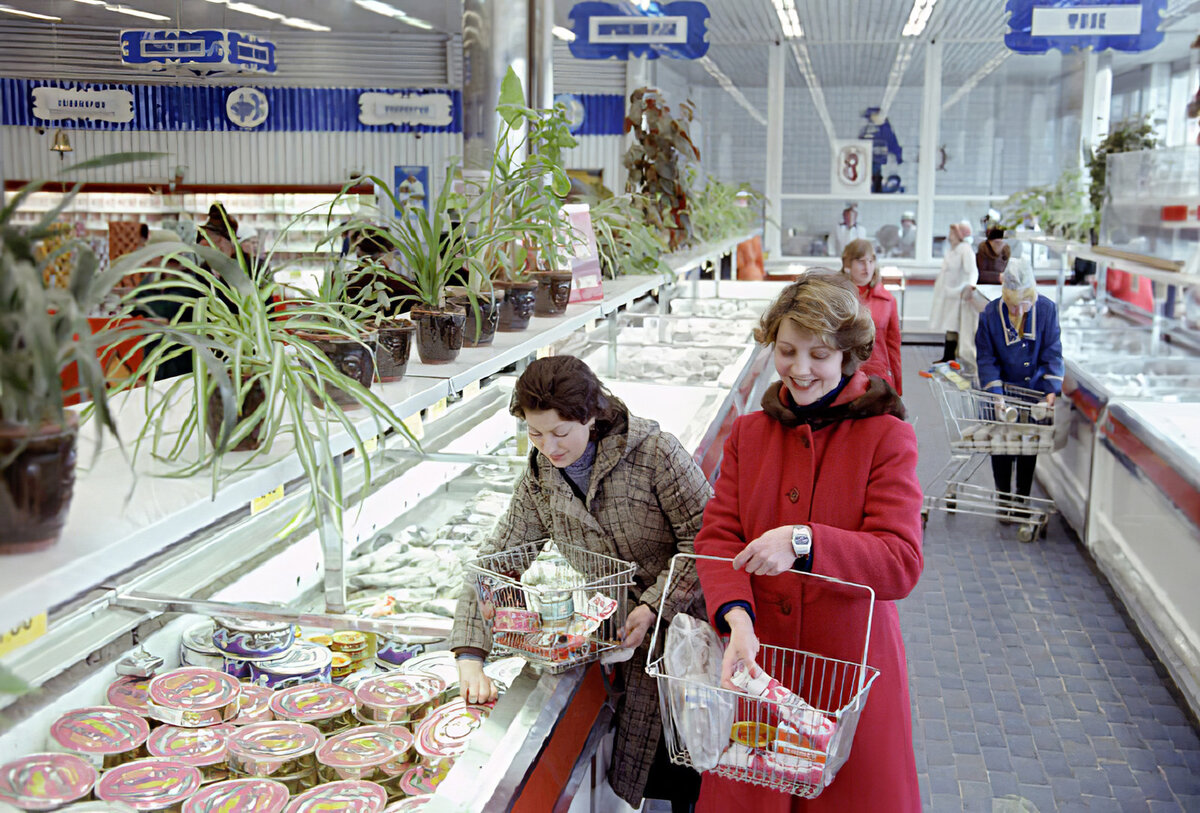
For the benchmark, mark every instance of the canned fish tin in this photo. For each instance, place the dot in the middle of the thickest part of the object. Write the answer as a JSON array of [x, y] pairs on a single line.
[[193, 697], [366, 752], [149, 784], [341, 665], [264, 749], [348, 796], [409, 804], [196, 648], [129, 693], [397, 649], [46, 781], [395, 697], [238, 668], [105, 736], [239, 796], [349, 641], [444, 732], [422, 779], [248, 638], [304, 663], [557, 608], [198, 747], [254, 705], [324, 705], [439, 664]]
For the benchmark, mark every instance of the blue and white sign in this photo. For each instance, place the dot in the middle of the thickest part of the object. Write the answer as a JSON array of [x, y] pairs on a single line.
[[1038, 26], [411, 188], [247, 107], [432, 109], [576, 113], [621, 30], [57, 104], [204, 52]]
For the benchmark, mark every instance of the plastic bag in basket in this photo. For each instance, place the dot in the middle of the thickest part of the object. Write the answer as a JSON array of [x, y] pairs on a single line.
[[703, 716]]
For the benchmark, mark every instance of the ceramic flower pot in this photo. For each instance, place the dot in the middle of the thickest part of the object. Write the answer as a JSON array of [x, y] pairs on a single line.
[[252, 401], [395, 348], [517, 307], [36, 486], [354, 358], [553, 292], [482, 318], [439, 333]]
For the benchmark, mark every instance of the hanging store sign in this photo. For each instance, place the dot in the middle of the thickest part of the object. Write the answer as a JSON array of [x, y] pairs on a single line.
[[205, 52], [619, 31], [247, 107], [1038, 26], [433, 109], [56, 104]]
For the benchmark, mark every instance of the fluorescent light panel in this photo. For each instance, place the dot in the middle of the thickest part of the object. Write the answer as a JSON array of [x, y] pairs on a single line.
[[34, 15], [789, 20], [918, 18], [133, 12], [267, 14], [564, 34], [391, 11]]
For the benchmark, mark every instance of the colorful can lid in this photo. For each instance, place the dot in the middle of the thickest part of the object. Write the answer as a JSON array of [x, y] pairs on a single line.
[[422, 779], [349, 640], [341, 660], [440, 664], [398, 690], [191, 746], [311, 702], [275, 741], [302, 658], [407, 804], [254, 705], [99, 730], [351, 796], [130, 693], [199, 638], [254, 625], [193, 695], [445, 730], [45, 781], [239, 796], [365, 747], [149, 784]]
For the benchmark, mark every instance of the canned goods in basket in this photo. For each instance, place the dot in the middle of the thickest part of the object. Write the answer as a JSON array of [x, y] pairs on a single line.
[[348, 796], [366, 752], [193, 697], [46, 781], [248, 638], [254, 705], [322, 704], [149, 784], [444, 732], [239, 796], [396, 697], [198, 747], [105, 736], [264, 749], [304, 663], [130, 693]]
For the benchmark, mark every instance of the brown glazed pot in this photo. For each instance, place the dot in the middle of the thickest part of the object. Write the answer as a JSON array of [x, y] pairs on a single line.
[[354, 358], [481, 321], [36, 488], [517, 307], [439, 333], [253, 400], [553, 291], [395, 348]]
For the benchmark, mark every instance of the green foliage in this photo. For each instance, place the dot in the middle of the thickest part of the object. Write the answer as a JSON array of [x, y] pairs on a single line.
[[1060, 209], [625, 243], [720, 210], [655, 163], [1128, 135]]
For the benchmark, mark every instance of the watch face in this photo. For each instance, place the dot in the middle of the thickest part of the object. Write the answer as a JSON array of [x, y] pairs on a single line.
[[801, 540]]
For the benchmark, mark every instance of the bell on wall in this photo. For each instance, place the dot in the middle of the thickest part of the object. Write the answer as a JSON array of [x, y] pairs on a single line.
[[61, 144]]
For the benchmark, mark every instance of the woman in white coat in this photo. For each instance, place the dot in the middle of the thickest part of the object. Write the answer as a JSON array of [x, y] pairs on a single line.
[[952, 311]]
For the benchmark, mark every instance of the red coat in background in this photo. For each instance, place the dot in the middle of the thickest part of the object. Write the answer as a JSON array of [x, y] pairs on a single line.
[[885, 358], [855, 483]]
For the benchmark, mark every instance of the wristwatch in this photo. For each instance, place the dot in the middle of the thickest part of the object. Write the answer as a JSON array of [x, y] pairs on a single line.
[[802, 541]]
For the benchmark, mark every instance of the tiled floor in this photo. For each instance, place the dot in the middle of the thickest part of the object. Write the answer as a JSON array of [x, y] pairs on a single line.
[[1031, 691]]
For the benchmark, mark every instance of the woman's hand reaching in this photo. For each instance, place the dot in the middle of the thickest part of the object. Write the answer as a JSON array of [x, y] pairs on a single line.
[[742, 646], [636, 624], [473, 685]]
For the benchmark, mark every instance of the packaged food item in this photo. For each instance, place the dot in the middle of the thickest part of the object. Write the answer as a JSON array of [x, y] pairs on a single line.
[[363, 753], [193, 697], [440, 665], [149, 784], [423, 778], [514, 619], [238, 668], [196, 648], [351, 642], [349, 796], [46, 781], [444, 732], [320, 638], [305, 662], [791, 708], [396, 649], [330, 708], [249, 639], [267, 749], [130, 693], [408, 804], [254, 705], [341, 665], [397, 697], [239, 796], [202, 748], [105, 736]]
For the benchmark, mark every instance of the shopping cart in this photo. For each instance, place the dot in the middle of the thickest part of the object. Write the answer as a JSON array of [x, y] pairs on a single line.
[[980, 424], [554, 604], [795, 744]]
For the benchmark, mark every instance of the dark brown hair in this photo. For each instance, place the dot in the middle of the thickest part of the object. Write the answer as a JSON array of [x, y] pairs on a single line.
[[569, 387], [220, 223], [823, 303]]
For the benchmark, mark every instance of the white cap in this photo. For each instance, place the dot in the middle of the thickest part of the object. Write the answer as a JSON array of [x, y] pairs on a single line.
[[1018, 276]]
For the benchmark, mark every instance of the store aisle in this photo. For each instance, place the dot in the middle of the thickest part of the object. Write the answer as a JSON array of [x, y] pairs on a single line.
[[1030, 690]]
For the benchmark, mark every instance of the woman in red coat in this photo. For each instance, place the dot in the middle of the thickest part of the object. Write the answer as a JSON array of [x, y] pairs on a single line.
[[858, 263], [824, 480]]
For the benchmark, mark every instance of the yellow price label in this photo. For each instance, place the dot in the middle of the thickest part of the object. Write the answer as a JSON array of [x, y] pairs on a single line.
[[371, 444], [415, 425], [260, 504], [545, 352], [24, 633], [470, 391], [436, 410]]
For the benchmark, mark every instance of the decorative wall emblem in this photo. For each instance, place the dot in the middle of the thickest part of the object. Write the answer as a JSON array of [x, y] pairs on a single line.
[[247, 107], [432, 109], [205, 52]]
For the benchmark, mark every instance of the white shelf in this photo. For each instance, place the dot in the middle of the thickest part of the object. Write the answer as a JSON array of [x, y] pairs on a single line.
[[1129, 266]]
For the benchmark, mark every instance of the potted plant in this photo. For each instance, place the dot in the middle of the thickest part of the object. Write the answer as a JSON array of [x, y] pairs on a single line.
[[625, 243], [1128, 135], [1060, 209], [655, 162]]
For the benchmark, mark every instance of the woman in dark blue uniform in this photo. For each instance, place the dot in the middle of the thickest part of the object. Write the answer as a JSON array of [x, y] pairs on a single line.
[[1018, 342]]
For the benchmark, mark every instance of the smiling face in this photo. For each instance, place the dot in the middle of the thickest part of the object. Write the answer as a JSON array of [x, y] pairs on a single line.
[[560, 440], [809, 368], [862, 270]]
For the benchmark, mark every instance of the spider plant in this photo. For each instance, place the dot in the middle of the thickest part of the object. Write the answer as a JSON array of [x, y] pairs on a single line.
[[625, 243]]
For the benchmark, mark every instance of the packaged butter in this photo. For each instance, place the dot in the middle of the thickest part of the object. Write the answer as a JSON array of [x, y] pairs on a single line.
[[239, 796], [194, 697], [369, 752], [130, 693], [396, 697], [328, 707], [46, 781], [347, 796], [305, 662], [444, 732], [249, 639], [105, 736], [149, 784], [196, 648], [254, 705], [265, 749]]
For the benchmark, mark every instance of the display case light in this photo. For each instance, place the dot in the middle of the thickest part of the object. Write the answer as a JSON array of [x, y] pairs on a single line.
[[388, 10], [789, 19], [33, 14]]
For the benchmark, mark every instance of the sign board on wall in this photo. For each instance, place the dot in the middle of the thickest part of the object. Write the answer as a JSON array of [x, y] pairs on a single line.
[[247, 107], [851, 168], [585, 256], [1038, 26], [411, 188], [204, 52], [56, 104], [431, 109], [621, 30]]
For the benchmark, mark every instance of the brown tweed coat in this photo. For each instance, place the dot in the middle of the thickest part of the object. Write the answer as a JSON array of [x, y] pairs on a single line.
[[645, 503]]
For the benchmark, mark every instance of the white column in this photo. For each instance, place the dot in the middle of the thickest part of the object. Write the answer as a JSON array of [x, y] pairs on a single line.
[[1158, 98], [773, 185], [1097, 98], [931, 115]]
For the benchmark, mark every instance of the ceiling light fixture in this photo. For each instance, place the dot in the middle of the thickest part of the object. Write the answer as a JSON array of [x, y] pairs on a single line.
[[133, 12], [564, 34], [267, 14], [391, 11], [804, 63], [789, 20], [918, 18], [34, 15]]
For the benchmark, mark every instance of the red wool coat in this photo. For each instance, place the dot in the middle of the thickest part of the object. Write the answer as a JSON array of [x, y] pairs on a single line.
[[885, 358], [854, 482]]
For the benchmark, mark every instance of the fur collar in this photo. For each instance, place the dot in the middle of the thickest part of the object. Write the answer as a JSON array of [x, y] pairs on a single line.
[[856, 401]]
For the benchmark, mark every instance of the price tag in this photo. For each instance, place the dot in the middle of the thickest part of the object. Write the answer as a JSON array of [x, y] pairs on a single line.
[[260, 504], [470, 391], [414, 425], [436, 410], [371, 444], [545, 352], [23, 633]]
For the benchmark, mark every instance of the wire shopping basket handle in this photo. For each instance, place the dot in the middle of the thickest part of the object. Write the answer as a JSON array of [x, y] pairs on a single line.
[[662, 604]]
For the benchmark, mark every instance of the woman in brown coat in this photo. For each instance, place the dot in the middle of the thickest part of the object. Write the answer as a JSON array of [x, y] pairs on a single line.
[[611, 483], [992, 257]]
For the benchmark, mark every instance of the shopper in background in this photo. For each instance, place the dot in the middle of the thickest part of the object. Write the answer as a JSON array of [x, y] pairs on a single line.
[[616, 484], [908, 236], [823, 480], [847, 231], [953, 311], [860, 264], [992, 257], [1018, 343]]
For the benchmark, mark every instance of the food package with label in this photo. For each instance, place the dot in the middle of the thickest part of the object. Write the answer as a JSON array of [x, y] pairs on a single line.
[[791, 708]]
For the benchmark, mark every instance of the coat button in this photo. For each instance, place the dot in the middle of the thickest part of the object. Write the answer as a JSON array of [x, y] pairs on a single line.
[[794, 495], [1027, 364]]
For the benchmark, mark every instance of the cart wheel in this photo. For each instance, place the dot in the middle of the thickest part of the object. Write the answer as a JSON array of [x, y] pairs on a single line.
[[1026, 533]]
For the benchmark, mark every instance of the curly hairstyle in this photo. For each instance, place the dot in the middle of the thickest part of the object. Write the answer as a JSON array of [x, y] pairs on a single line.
[[823, 303], [569, 387]]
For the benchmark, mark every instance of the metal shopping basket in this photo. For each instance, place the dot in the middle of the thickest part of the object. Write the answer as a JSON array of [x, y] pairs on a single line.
[[980, 424], [795, 744], [566, 616]]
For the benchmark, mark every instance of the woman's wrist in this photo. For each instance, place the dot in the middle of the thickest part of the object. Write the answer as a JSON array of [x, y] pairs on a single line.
[[737, 618]]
